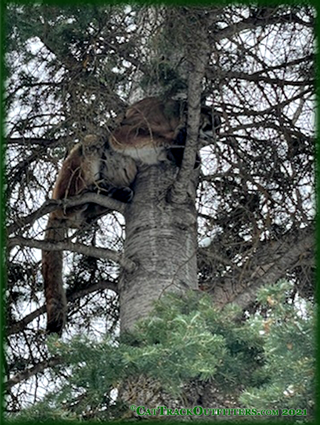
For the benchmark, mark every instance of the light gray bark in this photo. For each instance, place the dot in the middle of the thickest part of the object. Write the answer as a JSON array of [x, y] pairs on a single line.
[[282, 256], [161, 239]]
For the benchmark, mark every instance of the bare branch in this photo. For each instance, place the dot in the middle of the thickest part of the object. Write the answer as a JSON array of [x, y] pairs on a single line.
[[279, 257], [253, 22], [28, 141], [52, 205], [34, 370], [100, 286], [257, 77], [90, 251]]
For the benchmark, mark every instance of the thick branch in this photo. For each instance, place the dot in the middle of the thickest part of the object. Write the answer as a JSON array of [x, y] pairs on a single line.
[[38, 141], [27, 141], [277, 259], [95, 198], [198, 63], [90, 251], [102, 285], [258, 77], [254, 22], [34, 370], [51, 205]]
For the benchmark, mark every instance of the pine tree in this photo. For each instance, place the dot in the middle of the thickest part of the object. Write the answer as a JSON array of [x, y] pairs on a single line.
[[246, 221], [266, 363]]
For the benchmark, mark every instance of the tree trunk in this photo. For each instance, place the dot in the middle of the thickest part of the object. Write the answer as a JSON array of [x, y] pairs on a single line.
[[161, 238]]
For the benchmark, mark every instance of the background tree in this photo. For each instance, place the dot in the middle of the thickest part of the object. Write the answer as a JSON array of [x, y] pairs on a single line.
[[72, 71]]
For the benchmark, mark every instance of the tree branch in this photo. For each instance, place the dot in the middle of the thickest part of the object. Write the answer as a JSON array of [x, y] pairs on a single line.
[[52, 205], [37, 368], [253, 22], [198, 55], [257, 77], [90, 251], [278, 257], [102, 285], [27, 141]]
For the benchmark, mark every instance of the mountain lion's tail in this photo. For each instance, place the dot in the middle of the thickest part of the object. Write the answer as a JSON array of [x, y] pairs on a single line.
[[56, 300], [89, 164]]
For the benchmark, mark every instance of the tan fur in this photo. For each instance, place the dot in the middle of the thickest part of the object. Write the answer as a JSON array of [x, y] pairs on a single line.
[[80, 172], [150, 118], [88, 166], [151, 127], [149, 124], [56, 302]]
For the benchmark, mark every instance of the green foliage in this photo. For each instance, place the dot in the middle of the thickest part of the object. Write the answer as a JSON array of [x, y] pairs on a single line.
[[207, 344], [289, 350], [271, 357], [82, 70], [42, 412]]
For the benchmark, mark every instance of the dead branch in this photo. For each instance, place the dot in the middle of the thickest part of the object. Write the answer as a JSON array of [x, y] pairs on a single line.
[[100, 286], [90, 251], [52, 205]]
